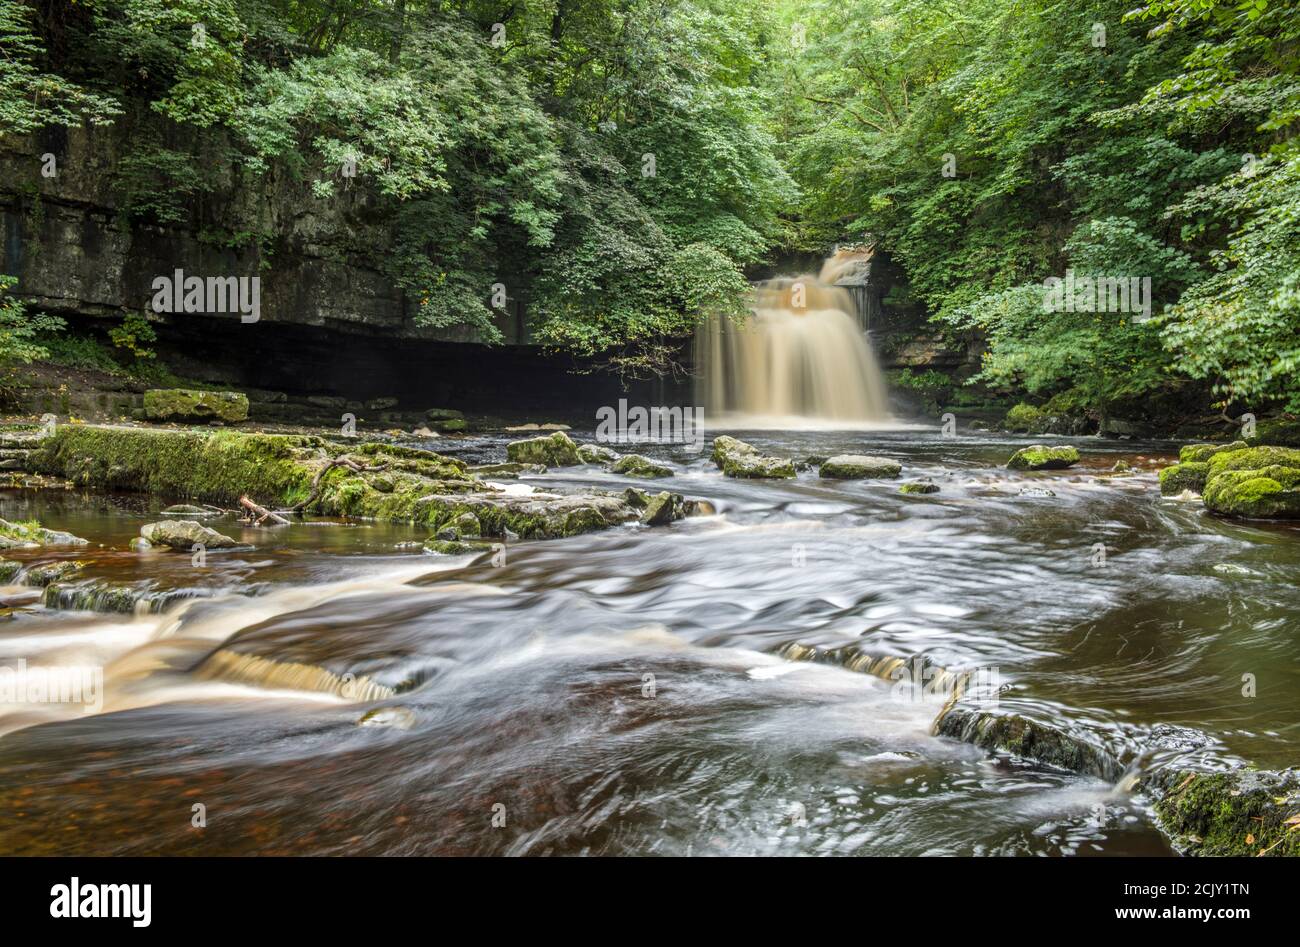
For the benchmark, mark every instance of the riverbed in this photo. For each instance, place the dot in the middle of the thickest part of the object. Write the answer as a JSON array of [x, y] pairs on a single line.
[[334, 690]]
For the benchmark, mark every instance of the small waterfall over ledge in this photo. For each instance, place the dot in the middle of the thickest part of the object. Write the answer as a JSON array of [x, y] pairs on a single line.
[[800, 358]]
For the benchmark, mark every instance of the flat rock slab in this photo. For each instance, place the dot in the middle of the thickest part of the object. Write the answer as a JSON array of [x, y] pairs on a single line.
[[859, 467]]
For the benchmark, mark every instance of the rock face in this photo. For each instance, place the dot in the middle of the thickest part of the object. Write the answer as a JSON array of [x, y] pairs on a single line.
[[554, 450], [635, 465], [859, 467], [1040, 457], [183, 534], [187, 404], [735, 458]]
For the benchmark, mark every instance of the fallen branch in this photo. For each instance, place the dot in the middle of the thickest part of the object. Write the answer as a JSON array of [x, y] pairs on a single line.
[[320, 478], [262, 513]]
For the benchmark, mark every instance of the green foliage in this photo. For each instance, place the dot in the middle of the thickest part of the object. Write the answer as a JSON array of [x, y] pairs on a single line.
[[20, 331], [135, 335]]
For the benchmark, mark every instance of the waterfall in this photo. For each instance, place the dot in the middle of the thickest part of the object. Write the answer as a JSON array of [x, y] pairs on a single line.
[[800, 356]]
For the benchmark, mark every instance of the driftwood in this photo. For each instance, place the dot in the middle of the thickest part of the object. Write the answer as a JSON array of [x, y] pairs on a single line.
[[319, 479], [262, 513]]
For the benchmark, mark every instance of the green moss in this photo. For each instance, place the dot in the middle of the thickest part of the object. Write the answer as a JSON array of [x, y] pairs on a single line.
[[1237, 813], [1284, 431], [635, 465], [1039, 457], [1185, 476], [454, 547], [1254, 458], [554, 450], [1200, 453], [919, 487], [214, 466], [9, 569], [189, 404], [1266, 493]]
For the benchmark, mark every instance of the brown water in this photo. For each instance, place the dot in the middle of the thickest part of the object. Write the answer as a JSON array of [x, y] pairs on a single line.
[[619, 692]]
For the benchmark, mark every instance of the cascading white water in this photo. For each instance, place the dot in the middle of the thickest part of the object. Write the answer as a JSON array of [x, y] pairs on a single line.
[[799, 357]]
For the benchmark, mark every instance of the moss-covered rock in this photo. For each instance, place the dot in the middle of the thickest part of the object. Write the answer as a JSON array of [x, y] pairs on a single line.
[[1200, 453], [1267, 493], [44, 573], [1185, 476], [31, 534], [859, 467], [506, 471], [1029, 739], [553, 450], [597, 454], [1026, 419], [455, 547], [1243, 812], [184, 534], [1041, 457], [1284, 431], [738, 459], [635, 465], [187, 404], [213, 466], [1254, 458], [919, 487], [663, 508], [9, 570]]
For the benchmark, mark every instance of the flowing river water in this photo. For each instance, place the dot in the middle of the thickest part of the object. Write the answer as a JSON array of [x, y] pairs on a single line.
[[621, 692]]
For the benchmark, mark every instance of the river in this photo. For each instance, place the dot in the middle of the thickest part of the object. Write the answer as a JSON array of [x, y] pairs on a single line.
[[620, 692]]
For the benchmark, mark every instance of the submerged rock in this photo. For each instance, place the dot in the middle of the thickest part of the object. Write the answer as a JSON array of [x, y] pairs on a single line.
[[187, 509], [737, 459], [919, 486], [455, 547], [554, 450], [186, 404], [399, 718], [139, 544], [1041, 457], [636, 465], [859, 467], [1189, 475], [1029, 739], [183, 534], [506, 471], [47, 572]]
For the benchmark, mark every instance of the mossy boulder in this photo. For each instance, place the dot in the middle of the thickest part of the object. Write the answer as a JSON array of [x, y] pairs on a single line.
[[47, 572], [1242, 812], [919, 487], [1026, 419], [32, 534], [636, 465], [184, 534], [597, 454], [859, 467], [1201, 453], [1267, 493], [1185, 476], [188, 404], [553, 450], [9, 570], [1254, 458], [738, 459], [663, 508], [1029, 739], [1041, 457]]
